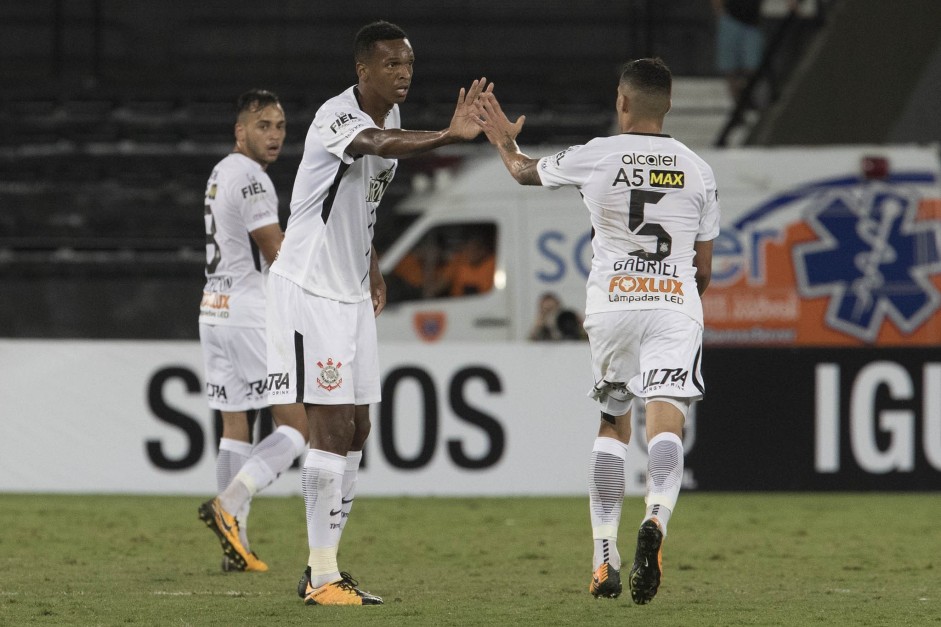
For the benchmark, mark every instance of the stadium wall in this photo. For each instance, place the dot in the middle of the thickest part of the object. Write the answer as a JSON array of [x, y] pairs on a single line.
[[300, 47], [478, 419]]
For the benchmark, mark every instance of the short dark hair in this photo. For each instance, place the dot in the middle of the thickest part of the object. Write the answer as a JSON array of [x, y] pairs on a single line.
[[255, 100], [648, 75], [371, 33]]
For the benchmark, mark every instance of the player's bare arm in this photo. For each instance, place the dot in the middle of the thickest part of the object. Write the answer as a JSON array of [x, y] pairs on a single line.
[[268, 238], [377, 284], [702, 259], [397, 143], [502, 133]]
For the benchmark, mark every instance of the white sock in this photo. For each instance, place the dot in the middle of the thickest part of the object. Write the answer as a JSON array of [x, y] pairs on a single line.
[[322, 480], [232, 456], [269, 459], [348, 488], [664, 476], [605, 496]]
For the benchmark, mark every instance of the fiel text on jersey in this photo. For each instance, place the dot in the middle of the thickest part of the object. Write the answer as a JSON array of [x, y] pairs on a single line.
[[342, 119], [251, 190]]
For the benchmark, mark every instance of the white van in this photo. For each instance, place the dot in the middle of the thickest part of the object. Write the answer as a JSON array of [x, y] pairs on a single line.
[[540, 241], [541, 238]]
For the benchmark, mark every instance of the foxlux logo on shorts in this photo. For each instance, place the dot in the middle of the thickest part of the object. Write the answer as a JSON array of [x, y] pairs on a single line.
[[329, 377], [630, 289]]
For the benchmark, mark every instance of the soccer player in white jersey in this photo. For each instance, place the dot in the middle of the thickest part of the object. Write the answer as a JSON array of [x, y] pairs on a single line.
[[325, 289], [654, 214], [242, 239]]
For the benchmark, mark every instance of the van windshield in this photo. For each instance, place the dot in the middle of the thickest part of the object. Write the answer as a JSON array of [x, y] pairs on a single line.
[[449, 261]]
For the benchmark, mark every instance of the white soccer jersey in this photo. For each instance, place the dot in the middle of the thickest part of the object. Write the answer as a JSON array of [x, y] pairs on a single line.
[[650, 198], [239, 199], [329, 234]]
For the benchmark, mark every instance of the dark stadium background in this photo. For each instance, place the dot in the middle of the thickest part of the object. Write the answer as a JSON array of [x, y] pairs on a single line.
[[113, 113]]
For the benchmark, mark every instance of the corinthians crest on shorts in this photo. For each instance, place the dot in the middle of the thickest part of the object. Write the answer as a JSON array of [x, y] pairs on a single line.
[[329, 377]]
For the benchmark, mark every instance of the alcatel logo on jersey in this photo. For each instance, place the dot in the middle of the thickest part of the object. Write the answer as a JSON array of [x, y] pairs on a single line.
[[342, 119], [251, 190], [642, 159], [667, 178]]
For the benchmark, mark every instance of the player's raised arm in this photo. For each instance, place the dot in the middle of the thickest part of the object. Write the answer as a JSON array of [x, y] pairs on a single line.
[[397, 143], [502, 133]]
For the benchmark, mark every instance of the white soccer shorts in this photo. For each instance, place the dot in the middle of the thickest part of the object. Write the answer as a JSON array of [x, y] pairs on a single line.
[[235, 363], [320, 351], [646, 353]]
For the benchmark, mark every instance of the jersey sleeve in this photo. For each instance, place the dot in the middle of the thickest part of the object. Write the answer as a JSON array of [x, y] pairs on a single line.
[[337, 126], [568, 167], [709, 219], [260, 208]]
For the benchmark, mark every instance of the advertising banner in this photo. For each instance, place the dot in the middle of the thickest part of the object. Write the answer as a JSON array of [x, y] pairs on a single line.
[[819, 419], [131, 417], [507, 419], [827, 247]]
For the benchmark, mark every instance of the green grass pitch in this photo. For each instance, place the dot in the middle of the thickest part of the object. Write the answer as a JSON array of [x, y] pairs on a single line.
[[730, 559]]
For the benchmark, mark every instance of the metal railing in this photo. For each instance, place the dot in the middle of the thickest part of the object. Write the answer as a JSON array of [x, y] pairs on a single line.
[[768, 72]]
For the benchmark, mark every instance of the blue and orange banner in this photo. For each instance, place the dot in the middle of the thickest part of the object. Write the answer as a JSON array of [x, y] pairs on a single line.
[[827, 256]]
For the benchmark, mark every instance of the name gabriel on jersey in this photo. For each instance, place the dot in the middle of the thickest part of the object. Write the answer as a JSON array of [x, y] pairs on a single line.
[[645, 266]]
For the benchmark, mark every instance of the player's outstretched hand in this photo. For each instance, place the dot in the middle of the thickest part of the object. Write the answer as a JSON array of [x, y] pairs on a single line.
[[494, 123], [463, 125]]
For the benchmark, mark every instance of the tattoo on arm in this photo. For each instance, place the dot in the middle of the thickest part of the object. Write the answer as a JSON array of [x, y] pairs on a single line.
[[522, 168], [527, 173]]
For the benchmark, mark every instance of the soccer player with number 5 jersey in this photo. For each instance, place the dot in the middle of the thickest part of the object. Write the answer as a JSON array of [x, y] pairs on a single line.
[[654, 214]]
